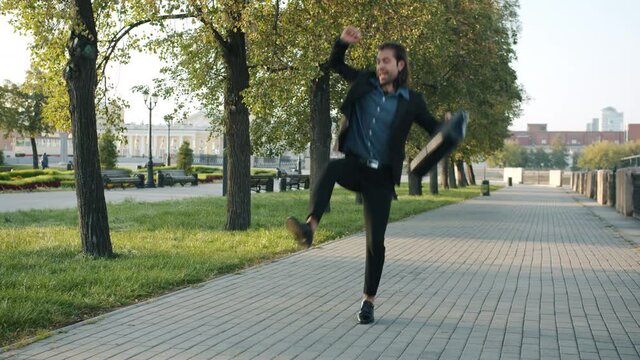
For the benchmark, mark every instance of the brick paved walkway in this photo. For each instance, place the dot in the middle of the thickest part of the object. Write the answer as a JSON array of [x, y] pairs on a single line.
[[528, 272]]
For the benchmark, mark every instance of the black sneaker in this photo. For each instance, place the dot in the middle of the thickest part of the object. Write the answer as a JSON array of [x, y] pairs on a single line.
[[301, 231], [365, 315]]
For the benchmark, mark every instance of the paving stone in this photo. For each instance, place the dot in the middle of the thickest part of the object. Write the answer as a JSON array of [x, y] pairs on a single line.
[[529, 272]]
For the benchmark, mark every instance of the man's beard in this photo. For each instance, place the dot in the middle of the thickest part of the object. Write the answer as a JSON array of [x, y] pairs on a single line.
[[388, 80]]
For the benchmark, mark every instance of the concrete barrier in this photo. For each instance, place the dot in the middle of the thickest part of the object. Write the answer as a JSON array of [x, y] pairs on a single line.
[[514, 173], [555, 178], [602, 186]]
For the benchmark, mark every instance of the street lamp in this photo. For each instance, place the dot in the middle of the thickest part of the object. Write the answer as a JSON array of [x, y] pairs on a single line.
[[150, 102], [168, 121]]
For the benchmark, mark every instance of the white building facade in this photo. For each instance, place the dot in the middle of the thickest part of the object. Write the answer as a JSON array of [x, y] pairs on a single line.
[[611, 120], [165, 139]]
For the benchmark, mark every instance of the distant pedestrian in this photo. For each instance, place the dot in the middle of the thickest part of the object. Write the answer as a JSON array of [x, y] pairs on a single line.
[[45, 161]]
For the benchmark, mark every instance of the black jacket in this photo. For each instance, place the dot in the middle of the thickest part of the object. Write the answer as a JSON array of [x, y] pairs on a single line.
[[408, 111]]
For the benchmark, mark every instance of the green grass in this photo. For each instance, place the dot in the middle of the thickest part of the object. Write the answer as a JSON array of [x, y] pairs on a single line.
[[46, 283]]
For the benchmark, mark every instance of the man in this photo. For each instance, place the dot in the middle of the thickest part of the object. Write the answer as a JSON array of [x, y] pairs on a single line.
[[378, 112], [45, 161]]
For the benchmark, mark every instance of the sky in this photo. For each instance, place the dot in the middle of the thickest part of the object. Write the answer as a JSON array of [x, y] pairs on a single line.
[[574, 59]]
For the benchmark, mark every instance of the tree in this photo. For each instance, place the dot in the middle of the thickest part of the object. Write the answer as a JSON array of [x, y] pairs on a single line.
[[108, 151], [1, 157], [575, 160], [602, 155], [538, 159], [466, 63], [21, 112], [81, 77], [559, 152], [184, 159], [210, 60], [71, 99], [511, 155]]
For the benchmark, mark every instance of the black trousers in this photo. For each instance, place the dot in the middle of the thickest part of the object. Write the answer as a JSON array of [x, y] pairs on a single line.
[[376, 187]]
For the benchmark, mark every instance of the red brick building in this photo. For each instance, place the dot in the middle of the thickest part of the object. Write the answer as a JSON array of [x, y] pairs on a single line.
[[538, 136], [633, 132]]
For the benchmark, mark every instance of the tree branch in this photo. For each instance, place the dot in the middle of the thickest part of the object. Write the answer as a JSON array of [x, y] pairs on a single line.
[[113, 43], [272, 69], [219, 38]]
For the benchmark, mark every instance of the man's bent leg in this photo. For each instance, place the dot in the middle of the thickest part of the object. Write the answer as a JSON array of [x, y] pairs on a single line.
[[342, 171], [336, 171]]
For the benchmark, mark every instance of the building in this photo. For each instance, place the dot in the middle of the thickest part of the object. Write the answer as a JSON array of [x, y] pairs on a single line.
[[537, 136], [633, 132], [594, 125], [195, 129], [611, 120], [7, 142]]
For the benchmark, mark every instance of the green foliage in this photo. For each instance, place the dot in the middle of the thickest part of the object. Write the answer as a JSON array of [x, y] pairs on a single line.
[[606, 155], [108, 150], [20, 174], [48, 24], [21, 110], [511, 155], [263, 172], [460, 56], [203, 169], [47, 285], [538, 159], [184, 158], [559, 152]]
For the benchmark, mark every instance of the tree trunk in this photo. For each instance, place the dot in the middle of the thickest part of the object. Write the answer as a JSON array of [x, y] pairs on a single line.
[[452, 174], [34, 151], [80, 75], [444, 165], [472, 175], [433, 181], [225, 163], [237, 132], [415, 184], [462, 180], [415, 181], [320, 119]]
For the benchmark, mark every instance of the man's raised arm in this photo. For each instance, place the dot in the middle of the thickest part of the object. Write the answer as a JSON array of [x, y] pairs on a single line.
[[350, 35]]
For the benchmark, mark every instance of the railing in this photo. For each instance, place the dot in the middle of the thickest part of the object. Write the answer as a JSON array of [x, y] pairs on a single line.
[[630, 161], [284, 163]]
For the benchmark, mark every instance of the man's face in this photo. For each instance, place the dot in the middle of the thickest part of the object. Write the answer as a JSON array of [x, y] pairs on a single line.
[[387, 68]]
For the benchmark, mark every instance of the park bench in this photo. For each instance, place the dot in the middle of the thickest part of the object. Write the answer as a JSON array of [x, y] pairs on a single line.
[[298, 181], [262, 182], [5, 168], [121, 177], [172, 177]]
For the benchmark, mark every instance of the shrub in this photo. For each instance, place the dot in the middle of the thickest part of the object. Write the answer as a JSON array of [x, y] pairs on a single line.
[[201, 169], [107, 150], [68, 184], [21, 174], [263, 172], [31, 183], [185, 157]]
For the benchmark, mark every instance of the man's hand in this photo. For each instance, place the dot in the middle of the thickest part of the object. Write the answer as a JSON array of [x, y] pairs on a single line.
[[350, 35]]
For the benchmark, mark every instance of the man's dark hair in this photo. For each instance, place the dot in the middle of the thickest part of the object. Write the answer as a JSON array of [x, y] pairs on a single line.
[[399, 53]]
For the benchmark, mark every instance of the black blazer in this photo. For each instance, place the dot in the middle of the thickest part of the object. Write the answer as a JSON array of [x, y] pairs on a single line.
[[408, 111]]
